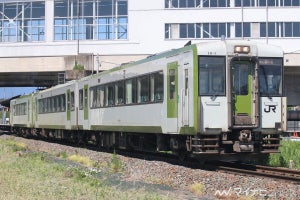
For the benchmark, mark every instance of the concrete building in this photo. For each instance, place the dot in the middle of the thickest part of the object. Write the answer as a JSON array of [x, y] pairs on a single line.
[[41, 40]]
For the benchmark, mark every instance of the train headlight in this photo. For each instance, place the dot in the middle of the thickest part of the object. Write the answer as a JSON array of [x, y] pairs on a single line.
[[242, 49]]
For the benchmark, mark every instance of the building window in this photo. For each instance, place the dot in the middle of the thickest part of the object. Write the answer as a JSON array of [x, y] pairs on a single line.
[[280, 29], [196, 3], [191, 30], [243, 29], [22, 21], [246, 29], [90, 20]]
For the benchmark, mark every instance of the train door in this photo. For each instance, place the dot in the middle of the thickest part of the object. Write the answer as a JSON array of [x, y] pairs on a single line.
[[172, 97], [242, 84]]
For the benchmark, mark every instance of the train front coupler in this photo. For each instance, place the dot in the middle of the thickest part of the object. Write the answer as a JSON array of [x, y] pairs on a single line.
[[244, 142]]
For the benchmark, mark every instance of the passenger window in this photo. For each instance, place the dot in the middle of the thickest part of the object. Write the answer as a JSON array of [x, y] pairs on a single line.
[[100, 96], [93, 97], [143, 89], [130, 91], [52, 104], [54, 108], [157, 86], [40, 106], [63, 102], [119, 90], [109, 93]]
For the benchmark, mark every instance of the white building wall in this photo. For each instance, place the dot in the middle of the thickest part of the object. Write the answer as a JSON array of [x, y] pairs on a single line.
[[146, 32]]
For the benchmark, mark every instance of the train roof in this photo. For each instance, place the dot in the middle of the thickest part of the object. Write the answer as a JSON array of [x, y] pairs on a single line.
[[220, 47]]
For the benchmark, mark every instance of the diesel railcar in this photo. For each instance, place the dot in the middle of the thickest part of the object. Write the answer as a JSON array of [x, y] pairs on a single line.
[[213, 98]]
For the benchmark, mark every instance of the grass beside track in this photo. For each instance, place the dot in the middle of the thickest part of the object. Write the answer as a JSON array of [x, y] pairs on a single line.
[[35, 175]]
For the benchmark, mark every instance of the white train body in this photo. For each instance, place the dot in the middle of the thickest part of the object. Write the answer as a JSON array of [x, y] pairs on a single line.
[[214, 97]]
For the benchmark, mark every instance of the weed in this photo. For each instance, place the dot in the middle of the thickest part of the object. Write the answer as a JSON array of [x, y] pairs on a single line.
[[197, 188], [82, 160], [63, 155], [115, 164], [13, 145], [39, 176], [289, 151]]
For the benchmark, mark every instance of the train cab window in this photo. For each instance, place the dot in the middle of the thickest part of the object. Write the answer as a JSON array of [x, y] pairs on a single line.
[[143, 89], [270, 76], [80, 99], [130, 91], [119, 93], [212, 75], [109, 95], [157, 86]]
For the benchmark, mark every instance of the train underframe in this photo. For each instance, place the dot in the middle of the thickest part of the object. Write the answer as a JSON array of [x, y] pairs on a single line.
[[236, 143]]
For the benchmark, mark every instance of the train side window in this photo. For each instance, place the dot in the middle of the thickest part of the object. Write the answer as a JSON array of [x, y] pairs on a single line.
[[54, 108], [46, 105], [109, 94], [93, 97], [130, 91], [40, 106], [62, 103], [143, 89], [52, 104], [56, 104], [80, 99], [100, 96], [157, 86], [119, 93]]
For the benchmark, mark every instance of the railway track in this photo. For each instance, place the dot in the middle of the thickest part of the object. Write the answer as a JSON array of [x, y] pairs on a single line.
[[259, 170]]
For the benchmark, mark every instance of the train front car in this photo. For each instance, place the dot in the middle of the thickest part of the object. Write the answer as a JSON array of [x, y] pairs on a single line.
[[241, 107]]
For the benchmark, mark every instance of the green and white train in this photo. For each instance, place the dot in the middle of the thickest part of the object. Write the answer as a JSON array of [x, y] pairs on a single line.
[[214, 98]]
